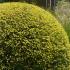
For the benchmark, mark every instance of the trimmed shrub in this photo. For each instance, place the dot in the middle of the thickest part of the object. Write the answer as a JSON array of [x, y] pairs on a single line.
[[31, 39]]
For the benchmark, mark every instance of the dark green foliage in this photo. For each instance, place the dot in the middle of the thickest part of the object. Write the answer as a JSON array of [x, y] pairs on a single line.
[[31, 39], [50, 4]]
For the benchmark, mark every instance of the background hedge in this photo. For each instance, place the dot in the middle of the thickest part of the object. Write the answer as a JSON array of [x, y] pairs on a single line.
[[62, 11]]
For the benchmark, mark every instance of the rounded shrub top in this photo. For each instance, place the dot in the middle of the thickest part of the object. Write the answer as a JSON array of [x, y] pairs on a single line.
[[31, 39]]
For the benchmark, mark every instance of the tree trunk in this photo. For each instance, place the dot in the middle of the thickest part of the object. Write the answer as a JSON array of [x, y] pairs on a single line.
[[53, 2]]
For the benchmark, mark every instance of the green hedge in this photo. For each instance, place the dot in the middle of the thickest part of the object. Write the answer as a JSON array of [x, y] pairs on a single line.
[[31, 39]]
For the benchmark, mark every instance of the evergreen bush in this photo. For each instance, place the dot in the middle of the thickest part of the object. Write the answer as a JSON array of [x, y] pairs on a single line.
[[31, 39]]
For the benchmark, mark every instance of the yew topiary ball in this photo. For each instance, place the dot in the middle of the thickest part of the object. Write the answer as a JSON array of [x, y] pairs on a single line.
[[31, 39]]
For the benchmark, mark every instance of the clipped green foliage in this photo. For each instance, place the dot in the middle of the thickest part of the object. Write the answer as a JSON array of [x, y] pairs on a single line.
[[31, 39]]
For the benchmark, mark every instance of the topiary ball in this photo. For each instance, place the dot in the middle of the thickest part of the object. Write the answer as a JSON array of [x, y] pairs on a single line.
[[31, 39]]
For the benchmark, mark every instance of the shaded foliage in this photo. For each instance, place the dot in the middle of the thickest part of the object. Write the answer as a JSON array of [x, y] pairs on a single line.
[[62, 11], [43, 3]]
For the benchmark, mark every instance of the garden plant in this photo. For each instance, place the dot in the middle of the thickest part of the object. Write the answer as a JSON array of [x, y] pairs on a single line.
[[31, 39]]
